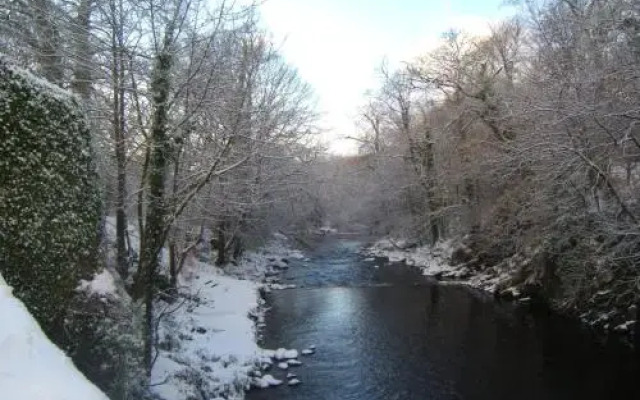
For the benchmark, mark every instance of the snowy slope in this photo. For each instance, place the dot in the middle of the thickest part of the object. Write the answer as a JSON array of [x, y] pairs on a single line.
[[209, 344], [31, 367]]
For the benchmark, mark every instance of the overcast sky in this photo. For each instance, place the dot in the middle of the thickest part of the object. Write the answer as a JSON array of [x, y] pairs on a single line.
[[337, 45]]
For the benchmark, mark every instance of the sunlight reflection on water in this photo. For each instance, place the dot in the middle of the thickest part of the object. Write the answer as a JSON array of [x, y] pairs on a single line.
[[380, 336]]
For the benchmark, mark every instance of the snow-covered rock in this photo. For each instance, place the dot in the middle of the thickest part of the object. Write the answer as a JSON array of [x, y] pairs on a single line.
[[283, 365], [268, 353], [31, 367], [284, 354], [279, 286], [267, 381], [326, 230], [279, 354], [434, 261], [307, 352], [272, 381], [257, 264], [294, 363], [291, 354], [625, 327], [294, 382]]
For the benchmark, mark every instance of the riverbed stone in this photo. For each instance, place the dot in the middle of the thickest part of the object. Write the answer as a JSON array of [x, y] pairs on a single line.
[[283, 365]]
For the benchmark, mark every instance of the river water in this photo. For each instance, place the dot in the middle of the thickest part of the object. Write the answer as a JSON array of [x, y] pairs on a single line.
[[387, 333]]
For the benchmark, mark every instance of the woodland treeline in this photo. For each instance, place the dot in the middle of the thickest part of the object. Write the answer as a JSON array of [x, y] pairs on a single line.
[[524, 142], [202, 134]]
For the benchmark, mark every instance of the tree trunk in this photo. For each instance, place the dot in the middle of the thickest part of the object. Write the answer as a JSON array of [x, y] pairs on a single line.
[[636, 331], [81, 83], [48, 41], [432, 188], [173, 267], [221, 245], [119, 120], [238, 248], [155, 231]]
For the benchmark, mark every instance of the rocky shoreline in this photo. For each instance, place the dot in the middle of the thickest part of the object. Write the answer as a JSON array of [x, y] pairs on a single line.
[[517, 278]]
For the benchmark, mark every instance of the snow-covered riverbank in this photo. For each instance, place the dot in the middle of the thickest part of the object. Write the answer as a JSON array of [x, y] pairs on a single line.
[[208, 337], [500, 280], [435, 261], [207, 331]]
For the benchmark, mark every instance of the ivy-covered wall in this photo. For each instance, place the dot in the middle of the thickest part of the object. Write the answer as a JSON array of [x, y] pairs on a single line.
[[49, 201]]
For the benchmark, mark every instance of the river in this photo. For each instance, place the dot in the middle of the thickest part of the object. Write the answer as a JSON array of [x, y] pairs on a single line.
[[388, 333]]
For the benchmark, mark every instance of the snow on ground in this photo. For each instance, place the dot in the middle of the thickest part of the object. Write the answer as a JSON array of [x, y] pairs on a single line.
[[325, 230], [102, 284], [207, 337], [31, 367], [431, 260], [264, 264], [435, 261]]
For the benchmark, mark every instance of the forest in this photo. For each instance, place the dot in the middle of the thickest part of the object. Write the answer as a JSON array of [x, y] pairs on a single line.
[[147, 138], [522, 146]]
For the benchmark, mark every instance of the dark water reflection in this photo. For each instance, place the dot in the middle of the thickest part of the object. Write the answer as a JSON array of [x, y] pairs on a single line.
[[381, 336]]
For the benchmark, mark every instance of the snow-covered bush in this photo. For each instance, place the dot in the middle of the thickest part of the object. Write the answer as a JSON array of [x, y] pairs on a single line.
[[49, 202], [106, 336]]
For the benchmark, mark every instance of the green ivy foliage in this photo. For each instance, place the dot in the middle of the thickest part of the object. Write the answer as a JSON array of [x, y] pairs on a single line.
[[49, 202]]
